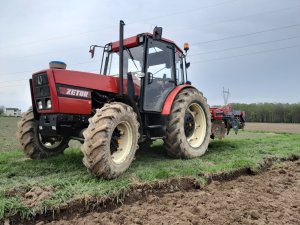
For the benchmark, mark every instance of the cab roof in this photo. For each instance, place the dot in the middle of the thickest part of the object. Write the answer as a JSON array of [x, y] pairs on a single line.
[[134, 41]]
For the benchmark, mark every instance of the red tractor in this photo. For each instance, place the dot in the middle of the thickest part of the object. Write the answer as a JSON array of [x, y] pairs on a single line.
[[141, 94]]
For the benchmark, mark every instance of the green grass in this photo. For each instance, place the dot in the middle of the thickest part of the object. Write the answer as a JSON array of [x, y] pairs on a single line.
[[8, 127], [70, 179]]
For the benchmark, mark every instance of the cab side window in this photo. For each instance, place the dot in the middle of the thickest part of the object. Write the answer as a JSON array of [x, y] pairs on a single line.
[[179, 68]]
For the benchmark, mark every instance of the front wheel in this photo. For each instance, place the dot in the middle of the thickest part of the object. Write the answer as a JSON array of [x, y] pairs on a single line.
[[111, 140], [34, 144], [189, 125]]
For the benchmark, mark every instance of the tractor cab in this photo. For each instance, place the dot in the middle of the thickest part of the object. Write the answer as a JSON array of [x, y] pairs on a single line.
[[157, 66]]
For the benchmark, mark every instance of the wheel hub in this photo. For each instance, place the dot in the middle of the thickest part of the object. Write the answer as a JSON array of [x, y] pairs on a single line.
[[121, 142], [189, 124], [115, 140]]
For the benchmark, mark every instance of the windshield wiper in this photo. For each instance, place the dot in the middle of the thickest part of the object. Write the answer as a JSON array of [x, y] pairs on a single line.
[[159, 70], [129, 53]]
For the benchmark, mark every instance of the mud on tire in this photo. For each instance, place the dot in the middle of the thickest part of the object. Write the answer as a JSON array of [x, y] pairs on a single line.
[[31, 142], [111, 140], [181, 142]]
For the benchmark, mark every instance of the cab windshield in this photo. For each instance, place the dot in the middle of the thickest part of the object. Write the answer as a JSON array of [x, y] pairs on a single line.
[[133, 61]]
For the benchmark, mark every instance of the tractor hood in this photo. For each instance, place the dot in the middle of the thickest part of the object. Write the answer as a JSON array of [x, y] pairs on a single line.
[[85, 80], [67, 91]]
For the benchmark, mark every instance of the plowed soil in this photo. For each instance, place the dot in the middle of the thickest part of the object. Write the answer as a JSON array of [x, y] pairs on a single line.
[[274, 127], [272, 197]]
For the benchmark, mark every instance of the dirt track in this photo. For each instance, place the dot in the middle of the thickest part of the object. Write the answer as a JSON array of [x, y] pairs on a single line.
[[272, 197]]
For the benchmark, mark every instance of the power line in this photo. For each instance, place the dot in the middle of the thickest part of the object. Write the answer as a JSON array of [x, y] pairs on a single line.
[[8, 81], [247, 54], [223, 58], [89, 62], [110, 27], [47, 52], [215, 59], [245, 46], [171, 14], [32, 71], [250, 15], [236, 36], [221, 39], [185, 11], [12, 73], [28, 79], [248, 34], [18, 85]]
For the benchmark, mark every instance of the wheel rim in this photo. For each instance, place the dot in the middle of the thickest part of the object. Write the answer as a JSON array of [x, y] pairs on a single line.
[[195, 129], [124, 142], [49, 143]]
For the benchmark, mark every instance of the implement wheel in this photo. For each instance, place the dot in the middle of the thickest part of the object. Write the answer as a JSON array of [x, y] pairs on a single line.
[[189, 125], [111, 140]]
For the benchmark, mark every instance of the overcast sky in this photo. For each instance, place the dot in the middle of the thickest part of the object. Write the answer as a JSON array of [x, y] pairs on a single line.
[[251, 47]]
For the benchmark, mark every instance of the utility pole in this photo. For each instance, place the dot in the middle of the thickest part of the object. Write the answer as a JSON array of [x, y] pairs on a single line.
[[226, 95]]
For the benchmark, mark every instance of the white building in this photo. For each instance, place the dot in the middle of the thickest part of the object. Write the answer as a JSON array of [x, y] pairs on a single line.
[[12, 112]]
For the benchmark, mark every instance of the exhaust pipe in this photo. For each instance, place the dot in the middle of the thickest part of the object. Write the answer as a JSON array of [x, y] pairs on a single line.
[[121, 54]]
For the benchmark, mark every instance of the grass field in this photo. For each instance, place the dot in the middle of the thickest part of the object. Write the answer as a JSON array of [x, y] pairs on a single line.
[[64, 177], [8, 126]]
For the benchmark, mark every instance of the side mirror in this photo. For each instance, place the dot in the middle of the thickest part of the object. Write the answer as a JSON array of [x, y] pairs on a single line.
[[157, 33], [92, 50], [187, 65]]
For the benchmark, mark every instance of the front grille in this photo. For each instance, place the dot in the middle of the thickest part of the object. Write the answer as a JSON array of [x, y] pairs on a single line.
[[40, 79], [41, 90]]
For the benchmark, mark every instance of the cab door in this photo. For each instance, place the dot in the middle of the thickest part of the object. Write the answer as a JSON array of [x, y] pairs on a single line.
[[159, 78]]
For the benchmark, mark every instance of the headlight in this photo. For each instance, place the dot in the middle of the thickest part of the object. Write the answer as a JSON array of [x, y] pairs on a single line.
[[48, 104], [40, 104]]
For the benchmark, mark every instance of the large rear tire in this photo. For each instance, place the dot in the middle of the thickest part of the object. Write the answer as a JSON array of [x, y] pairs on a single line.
[[34, 145], [111, 140], [188, 126]]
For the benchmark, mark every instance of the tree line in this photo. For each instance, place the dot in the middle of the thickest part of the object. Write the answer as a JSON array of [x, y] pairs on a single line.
[[263, 112], [270, 112]]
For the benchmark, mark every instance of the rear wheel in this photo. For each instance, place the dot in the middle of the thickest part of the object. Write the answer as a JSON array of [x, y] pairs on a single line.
[[34, 144], [189, 125], [111, 140]]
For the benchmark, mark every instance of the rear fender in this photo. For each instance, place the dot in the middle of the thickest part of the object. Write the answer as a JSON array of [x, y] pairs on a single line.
[[166, 110]]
